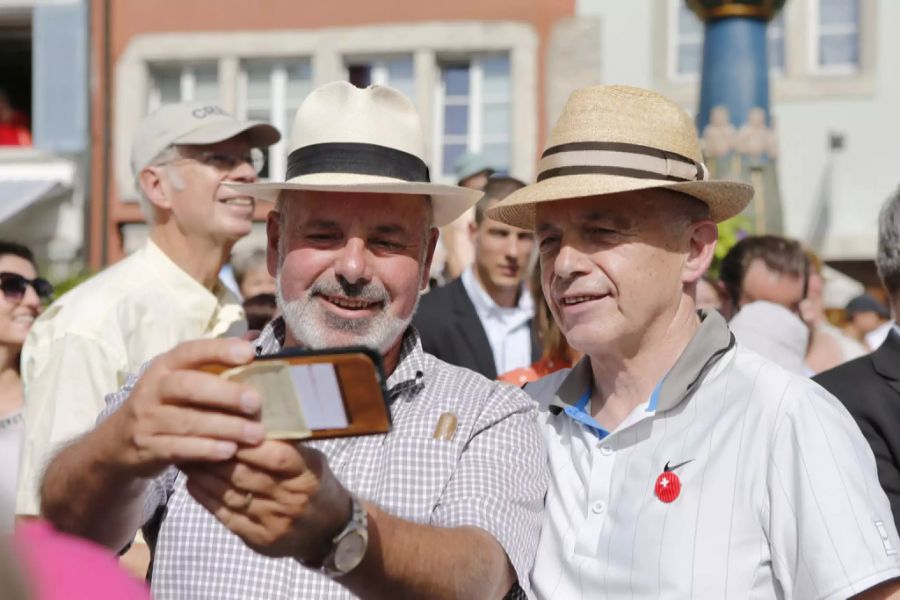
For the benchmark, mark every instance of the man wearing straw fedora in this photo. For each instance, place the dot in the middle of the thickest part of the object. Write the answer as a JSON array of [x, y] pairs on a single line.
[[427, 510], [682, 465]]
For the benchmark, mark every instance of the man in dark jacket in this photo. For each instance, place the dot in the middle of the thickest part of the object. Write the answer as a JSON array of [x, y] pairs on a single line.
[[870, 385], [482, 320]]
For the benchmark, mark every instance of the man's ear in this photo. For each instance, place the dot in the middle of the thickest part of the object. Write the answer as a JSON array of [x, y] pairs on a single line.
[[433, 236], [273, 233], [701, 249], [473, 230], [154, 188]]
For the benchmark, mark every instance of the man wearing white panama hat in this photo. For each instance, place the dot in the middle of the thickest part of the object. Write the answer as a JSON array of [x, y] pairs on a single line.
[[427, 510], [682, 464]]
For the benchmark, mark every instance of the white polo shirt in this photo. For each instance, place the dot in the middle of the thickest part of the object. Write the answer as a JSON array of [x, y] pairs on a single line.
[[771, 490]]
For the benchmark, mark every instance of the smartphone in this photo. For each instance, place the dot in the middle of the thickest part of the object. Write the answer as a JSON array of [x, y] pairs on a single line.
[[318, 394]]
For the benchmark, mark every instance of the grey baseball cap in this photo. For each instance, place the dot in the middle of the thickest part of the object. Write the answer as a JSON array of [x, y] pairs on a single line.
[[867, 303], [192, 123], [470, 164]]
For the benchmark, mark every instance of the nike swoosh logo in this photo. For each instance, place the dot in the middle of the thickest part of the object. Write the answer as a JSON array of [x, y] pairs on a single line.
[[667, 468]]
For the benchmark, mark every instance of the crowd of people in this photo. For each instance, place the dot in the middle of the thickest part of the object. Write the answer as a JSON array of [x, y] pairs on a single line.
[[624, 421]]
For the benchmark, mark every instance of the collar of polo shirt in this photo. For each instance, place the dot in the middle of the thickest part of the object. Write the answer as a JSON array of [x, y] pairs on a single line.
[[711, 341]]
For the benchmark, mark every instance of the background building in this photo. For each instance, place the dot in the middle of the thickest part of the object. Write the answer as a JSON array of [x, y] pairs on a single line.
[[478, 72], [488, 76], [44, 128], [834, 89]]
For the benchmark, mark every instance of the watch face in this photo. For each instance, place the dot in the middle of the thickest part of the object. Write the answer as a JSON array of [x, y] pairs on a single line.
[[350, 551]]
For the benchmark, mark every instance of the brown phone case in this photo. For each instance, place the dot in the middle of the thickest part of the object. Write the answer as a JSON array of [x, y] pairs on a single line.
[[360, 379]]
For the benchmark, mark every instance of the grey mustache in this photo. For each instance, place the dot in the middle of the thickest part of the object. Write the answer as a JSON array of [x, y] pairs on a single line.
[[368, 292]]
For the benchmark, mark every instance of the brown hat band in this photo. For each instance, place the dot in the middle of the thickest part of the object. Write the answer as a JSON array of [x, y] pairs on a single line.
[[616, 158]]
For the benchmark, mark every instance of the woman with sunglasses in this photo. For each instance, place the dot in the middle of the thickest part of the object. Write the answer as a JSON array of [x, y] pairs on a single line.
[[37, 555], [22, 294]]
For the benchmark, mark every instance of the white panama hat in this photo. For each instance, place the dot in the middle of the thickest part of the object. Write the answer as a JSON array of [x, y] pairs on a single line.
[[347, 139]]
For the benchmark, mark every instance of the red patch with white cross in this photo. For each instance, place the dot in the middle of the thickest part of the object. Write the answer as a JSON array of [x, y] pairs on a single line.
[[668, 486]]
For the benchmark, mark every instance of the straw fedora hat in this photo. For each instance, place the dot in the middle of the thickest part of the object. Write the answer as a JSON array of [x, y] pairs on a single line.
[[347, 139], [613, 139]]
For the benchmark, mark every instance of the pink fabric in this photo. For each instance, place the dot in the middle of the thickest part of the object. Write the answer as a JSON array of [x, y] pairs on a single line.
[[62, 567]]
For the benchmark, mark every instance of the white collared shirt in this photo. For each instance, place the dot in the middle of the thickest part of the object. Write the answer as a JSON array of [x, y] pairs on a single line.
[[508, 329], [87, 342], [875, 338]]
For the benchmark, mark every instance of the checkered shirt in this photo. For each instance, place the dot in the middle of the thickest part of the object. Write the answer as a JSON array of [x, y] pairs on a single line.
[[491, 475]]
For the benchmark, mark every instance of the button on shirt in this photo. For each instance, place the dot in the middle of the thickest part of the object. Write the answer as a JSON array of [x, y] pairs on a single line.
[[508, 329], [84, 345], [492, 474], [735, 479]]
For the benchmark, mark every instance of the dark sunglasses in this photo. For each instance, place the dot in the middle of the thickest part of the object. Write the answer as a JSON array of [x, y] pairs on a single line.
[[13, 287]]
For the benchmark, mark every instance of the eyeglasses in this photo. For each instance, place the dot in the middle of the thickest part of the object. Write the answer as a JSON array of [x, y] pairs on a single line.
[[13, 287], [226, 162]]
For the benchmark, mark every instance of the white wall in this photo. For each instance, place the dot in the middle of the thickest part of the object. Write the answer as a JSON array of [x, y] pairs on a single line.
[[626, 39], [869, 167]]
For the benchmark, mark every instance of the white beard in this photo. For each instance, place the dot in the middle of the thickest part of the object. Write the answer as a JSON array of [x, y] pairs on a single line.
[[315, 328]]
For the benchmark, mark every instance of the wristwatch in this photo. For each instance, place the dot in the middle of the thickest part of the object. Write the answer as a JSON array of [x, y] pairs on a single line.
[[349, 546]]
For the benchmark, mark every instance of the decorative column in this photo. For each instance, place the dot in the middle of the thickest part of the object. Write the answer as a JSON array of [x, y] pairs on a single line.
[[739, 140]]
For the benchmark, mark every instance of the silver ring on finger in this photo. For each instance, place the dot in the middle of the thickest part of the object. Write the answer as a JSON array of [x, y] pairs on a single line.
[[248, 498]]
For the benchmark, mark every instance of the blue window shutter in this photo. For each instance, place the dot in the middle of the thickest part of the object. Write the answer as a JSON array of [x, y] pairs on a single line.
[[59, 76]]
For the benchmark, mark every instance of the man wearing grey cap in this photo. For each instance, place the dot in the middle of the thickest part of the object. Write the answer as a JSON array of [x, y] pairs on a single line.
[[164, 293]]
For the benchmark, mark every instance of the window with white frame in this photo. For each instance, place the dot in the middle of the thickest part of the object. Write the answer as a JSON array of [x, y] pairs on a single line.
[[186, 82], [836, 35], [473, 112], [271, 91], [687, 51], [266, 74], [396, 72], [686, 43], [775, 43]]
